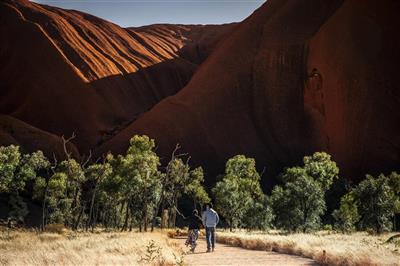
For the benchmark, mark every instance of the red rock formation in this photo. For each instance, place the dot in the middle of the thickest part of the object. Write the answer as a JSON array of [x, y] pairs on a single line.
[[356, 53], [257, 93], [294, 78], [30, 139], [65, 71]]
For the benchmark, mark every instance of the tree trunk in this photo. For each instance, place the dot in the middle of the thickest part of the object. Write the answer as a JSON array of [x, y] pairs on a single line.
[[145, 217], [157, 210], [162, 214], [78, 220], [89, 221], [174, 207], [165, 218], [74, 207], [95, 218], [117, 220], [125, 226], [131, 223], [44, 206], [172, 218]]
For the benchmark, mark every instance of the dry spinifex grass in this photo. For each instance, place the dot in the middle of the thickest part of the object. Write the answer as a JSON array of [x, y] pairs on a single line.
[[105, 248], [358, 249]]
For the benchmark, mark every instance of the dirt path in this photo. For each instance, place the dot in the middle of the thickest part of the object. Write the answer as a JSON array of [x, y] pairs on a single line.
[[228, 255]]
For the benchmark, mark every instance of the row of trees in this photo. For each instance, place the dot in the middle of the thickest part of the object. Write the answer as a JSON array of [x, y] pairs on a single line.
[[132, 190], [300, 202], [119, 191], [371, 205]]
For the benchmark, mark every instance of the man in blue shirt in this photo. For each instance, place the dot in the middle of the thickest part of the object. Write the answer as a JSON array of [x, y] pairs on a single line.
[[210, 220]]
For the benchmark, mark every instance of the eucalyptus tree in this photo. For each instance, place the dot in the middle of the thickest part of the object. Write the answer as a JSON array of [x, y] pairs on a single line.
[[177, 177], [238, 190], [375, 199], [96, 174], [346, 215], [75, 178], [195, 188], [16, 170], [55, 206], [300, 202], [139, 180], [322, 169]]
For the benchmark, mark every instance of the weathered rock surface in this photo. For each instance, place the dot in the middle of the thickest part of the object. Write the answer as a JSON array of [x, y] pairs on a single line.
[[31, 139], [293, 78], [65, 71]]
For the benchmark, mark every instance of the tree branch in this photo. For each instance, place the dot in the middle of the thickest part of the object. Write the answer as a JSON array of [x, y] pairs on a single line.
[[88, 159], [65, 141]]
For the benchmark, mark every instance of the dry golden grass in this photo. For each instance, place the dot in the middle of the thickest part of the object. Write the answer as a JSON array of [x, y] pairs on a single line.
[[327, 248], [99, 248]]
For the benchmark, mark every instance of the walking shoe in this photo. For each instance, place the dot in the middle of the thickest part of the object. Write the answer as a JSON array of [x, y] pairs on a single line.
[[212, 249], [208, 250]]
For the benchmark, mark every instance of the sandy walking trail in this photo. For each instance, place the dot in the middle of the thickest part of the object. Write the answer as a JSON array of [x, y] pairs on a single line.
[[228, 255]]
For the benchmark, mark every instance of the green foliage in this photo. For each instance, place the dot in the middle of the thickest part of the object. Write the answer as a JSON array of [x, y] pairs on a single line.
[[130, 190], [141, 144], [396, 206], [135, 181], [178, 175], [73, 170], [179, 179], [299, 204], [321, 168], [194, 188], [96, 175], [19, 208], [394, 183], [15, 171], [124, 189], [259, 215], [98, 172], [53, 195], [327, 227], [339, 188], [71, 206], [238, 190], [347, 215], [10, 158], [375, 201]]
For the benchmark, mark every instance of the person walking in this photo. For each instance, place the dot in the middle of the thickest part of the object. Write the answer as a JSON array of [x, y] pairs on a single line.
[[210, 220], [194, 224]]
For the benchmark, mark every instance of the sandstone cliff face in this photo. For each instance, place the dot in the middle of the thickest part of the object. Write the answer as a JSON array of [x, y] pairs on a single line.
[[40, 86], [65, 71], [357, 55], [293, 78]]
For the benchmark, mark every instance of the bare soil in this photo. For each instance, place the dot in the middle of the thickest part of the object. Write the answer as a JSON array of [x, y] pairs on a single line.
[[228, 255]]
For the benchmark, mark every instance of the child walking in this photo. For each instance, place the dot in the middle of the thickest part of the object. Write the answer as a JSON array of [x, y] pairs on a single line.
[[194, 224]]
